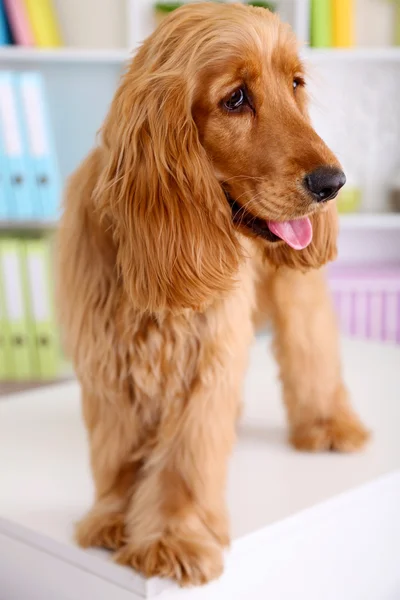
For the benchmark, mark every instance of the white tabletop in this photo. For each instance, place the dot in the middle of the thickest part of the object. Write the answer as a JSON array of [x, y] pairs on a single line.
[[45, 482]]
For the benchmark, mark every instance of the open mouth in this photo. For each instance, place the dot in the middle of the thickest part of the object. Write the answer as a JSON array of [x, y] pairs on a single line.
[[296, 233]]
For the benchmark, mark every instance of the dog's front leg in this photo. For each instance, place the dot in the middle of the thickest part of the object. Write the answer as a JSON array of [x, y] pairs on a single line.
[[114, 433], [306, 345], [177, 524]]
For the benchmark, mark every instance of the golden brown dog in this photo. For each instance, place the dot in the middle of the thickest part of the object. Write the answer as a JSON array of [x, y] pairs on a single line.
[[207, 207]]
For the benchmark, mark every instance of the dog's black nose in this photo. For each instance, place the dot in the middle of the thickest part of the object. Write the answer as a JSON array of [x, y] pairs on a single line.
[[324, 183]]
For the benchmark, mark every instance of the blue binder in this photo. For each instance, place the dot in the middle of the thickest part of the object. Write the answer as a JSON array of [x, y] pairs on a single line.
[[17, 181], [3, 179], [5, 36], [41, 146]]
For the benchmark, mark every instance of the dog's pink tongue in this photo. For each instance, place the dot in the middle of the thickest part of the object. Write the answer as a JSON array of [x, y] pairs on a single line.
[[297, 233]]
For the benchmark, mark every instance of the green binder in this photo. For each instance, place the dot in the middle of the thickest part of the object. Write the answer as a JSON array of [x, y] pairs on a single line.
[[34, 358], [321, 23], [19, 343], [5, 365], [40, 286]]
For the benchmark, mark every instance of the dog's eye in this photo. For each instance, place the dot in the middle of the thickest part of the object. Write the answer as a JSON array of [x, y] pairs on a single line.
[[298, 82], [236, 100]]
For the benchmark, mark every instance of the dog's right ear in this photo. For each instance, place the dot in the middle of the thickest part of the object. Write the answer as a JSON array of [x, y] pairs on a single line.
[[176, 246]]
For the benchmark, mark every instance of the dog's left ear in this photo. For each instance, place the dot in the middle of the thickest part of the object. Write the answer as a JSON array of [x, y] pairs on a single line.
[[321, 250]]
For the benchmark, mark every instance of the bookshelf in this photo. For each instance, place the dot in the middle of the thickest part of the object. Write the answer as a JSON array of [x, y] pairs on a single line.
[[354, 100], [81, 82]]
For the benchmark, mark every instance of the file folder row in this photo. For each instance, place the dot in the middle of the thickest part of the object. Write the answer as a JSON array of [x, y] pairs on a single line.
[[367, 301], [29, 177], [29, 347]]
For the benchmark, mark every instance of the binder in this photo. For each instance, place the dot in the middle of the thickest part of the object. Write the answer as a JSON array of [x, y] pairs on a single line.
[[19, 23], [35, 118], [321, 23], [343, 23], [18, 196], [3, 179], [397, 24], [44, 23], [5, 366], [19, 342], [38, 262], [27, 302], [5, 37]]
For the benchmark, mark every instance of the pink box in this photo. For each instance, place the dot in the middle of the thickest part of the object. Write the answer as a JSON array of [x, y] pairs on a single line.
[[367, 301]]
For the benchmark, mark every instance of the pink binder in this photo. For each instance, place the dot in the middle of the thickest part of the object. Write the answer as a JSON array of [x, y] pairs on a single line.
[[19, 23]]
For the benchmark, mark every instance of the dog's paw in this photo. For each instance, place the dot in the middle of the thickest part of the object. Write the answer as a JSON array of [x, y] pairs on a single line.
[[343, 433], [101, 530], [188, 561]]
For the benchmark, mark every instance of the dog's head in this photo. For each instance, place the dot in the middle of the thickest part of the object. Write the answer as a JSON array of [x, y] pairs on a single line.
[[209, 135]]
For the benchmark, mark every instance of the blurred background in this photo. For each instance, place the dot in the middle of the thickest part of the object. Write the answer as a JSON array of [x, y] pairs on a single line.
[[60, 62]]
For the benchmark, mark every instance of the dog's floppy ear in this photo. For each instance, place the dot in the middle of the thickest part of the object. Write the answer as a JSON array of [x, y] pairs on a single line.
[[321, 250], [176, 246]]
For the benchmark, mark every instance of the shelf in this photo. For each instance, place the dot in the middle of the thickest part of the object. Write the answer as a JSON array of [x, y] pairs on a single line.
[[27, 226], [117, 56], [386, 54], [370, 221], [14, 387], [349, 221], [16, 54]]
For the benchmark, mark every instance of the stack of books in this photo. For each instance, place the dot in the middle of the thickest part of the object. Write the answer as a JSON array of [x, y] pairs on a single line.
[[29, 176], [320, 23], [332, 23], [29, 23], [327, 23], [29, 345], [343, 23]]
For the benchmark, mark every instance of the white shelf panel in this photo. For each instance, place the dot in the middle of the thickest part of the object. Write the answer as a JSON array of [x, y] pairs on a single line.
[[27, 226], [64, 55], [120, 55], [388, 54], [370, 221]]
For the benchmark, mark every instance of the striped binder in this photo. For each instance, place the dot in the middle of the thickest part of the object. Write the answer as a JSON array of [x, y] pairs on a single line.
[[5, 37], [20, 343], [18, 19], [18, 195], [343, 23], [43, 163], [44, 22], [5, 366], [321, 23], [38, 266]]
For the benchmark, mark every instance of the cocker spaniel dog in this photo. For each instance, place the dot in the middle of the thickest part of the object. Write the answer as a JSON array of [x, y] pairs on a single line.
[[206, 208]]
